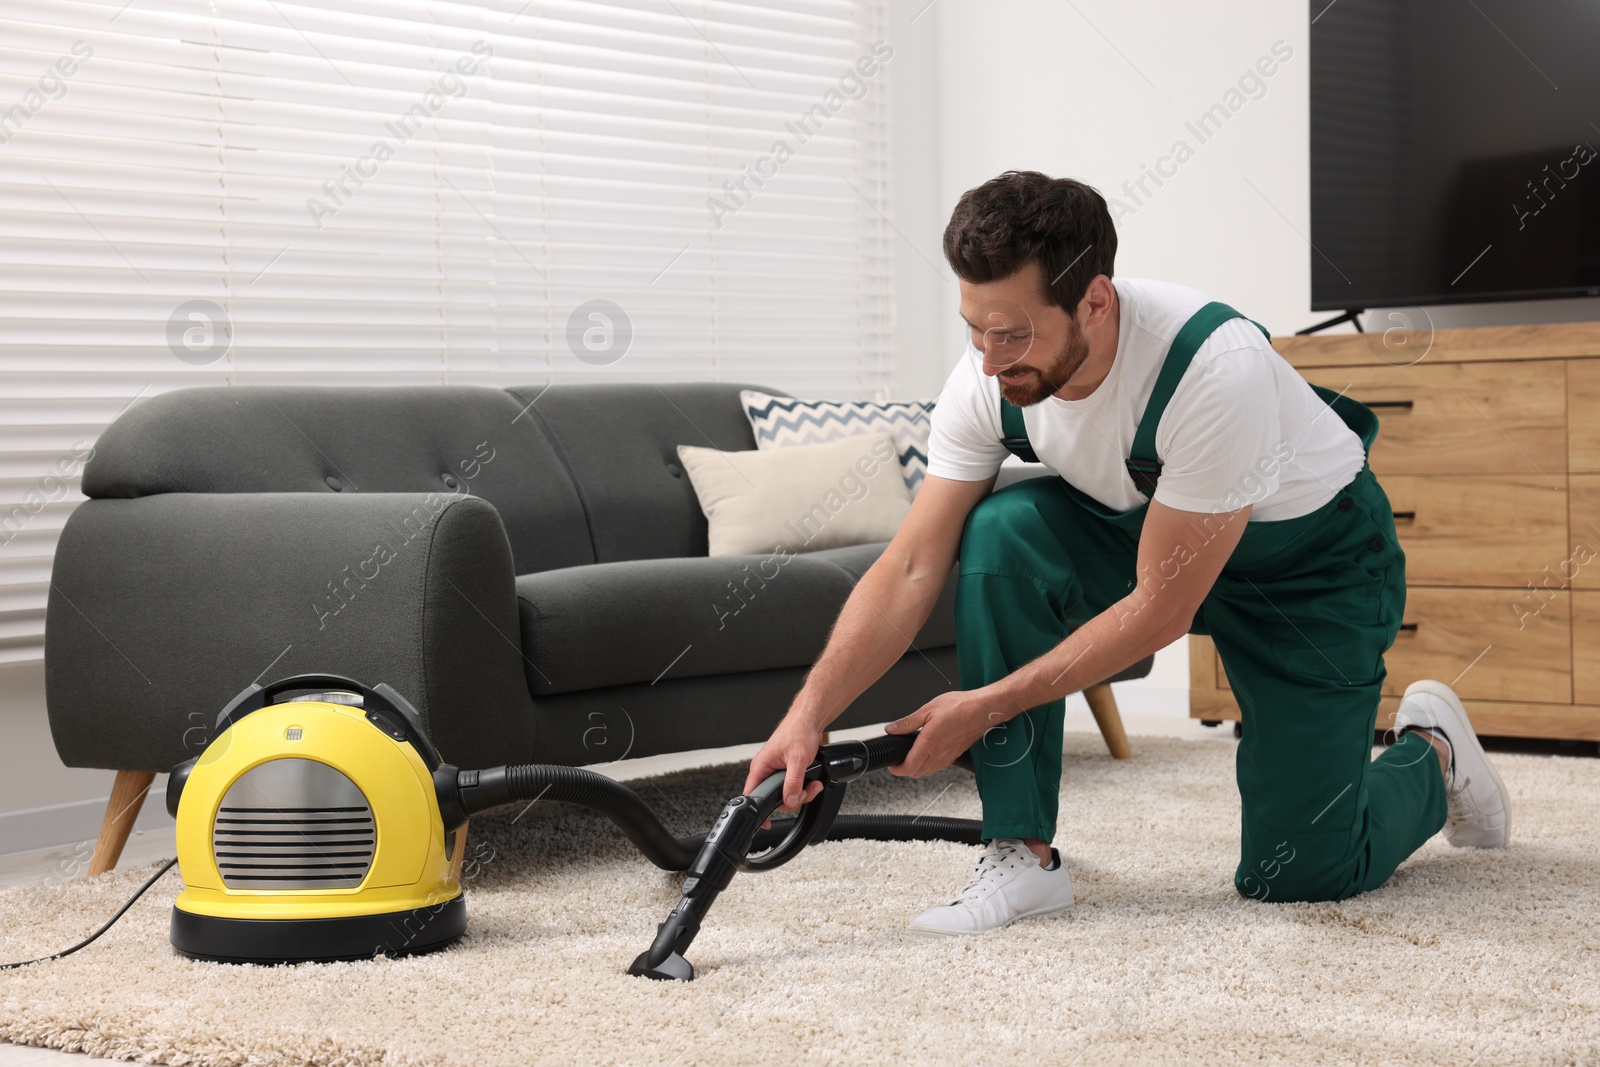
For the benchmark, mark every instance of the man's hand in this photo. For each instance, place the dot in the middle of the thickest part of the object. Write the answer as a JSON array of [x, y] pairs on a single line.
[[950, 723], [790, 749]]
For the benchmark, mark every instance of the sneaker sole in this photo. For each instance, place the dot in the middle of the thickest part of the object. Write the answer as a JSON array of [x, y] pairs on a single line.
[[1448, 695], [975, 933]]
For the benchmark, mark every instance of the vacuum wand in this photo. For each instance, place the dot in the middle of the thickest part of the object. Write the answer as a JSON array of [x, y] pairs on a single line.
[[727, 847], [713, 869]]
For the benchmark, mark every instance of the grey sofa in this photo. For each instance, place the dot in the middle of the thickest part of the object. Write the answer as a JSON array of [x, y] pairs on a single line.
[[527, 565]]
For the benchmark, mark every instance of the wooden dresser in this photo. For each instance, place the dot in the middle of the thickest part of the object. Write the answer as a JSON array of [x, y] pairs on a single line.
[[1490, 453]]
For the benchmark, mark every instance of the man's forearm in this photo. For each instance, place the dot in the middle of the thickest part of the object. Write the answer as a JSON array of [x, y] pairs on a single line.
[[874, 629]]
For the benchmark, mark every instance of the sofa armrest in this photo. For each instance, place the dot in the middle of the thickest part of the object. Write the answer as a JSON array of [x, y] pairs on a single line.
[[162, 608]]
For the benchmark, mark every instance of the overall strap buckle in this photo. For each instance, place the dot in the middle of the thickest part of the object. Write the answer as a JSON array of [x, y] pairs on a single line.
[[1015, 432], [1144, 466], [1144, 474]]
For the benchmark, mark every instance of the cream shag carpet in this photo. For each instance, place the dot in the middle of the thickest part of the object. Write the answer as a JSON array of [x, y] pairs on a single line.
[[1463, 958]]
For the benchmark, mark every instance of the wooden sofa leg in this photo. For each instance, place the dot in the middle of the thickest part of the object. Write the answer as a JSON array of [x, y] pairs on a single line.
[[460, 852], [127, 797], [1104, 706]]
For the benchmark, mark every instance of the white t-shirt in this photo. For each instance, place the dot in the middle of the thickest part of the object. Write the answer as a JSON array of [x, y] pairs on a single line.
[[1242, 427]]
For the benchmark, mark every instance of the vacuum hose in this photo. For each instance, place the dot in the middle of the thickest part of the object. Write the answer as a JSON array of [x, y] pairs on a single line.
[[529, 782], [525, 783], [736, 841]]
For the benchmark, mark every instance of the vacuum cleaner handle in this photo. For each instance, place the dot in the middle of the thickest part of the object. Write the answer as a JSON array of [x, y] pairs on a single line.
[[836, 765], [384, 706], [314, 680], [809, 826]]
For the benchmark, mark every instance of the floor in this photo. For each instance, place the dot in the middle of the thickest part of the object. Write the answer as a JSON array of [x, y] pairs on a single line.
[[1143, 713]]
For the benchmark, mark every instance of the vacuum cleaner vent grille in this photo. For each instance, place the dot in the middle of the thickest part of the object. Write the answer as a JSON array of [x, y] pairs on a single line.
[[293, 824]]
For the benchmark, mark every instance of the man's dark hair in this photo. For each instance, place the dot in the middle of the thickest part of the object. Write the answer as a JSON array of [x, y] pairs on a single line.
[[1022, 215]]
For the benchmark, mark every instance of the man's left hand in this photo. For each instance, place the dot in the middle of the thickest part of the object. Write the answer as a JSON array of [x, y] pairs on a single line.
[[950, 723]]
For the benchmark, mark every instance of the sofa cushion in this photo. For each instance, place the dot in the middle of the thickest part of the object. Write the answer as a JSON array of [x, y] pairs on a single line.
[[618, 441], [844, 492], [783, 421], [641, 620]]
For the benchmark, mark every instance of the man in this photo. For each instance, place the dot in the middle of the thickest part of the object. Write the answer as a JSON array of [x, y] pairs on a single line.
[[1205, 488]]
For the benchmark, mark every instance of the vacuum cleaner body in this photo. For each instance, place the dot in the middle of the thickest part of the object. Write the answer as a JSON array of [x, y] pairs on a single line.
[[311, 830]]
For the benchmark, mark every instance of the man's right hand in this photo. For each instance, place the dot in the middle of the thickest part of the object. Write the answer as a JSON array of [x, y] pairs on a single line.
[[790, 749]]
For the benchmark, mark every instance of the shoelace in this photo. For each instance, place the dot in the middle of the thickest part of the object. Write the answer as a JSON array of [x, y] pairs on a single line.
[[1459, 812], [1466, 809], [995, 857]]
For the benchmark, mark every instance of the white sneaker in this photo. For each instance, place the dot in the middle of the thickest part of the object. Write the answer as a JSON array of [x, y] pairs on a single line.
[[1478, 808], [1007, 884]]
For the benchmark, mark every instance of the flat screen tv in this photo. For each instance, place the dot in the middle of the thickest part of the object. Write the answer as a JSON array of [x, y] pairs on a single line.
[[1455, 151]]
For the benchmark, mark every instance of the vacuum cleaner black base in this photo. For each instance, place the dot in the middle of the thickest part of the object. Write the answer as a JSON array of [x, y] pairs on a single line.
[[347, 937]]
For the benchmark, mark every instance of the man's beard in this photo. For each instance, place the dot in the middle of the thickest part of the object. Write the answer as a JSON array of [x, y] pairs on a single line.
[[1041, 384]]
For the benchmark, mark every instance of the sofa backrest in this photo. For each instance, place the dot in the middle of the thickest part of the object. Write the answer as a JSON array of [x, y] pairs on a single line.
[[619, 441], [580, 473], [310, 439]]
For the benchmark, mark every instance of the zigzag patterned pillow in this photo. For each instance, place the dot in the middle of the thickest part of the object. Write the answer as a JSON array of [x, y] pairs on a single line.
[[779, 421]]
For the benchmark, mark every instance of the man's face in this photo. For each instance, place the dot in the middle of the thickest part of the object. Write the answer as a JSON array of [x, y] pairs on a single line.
[[1031, 346]]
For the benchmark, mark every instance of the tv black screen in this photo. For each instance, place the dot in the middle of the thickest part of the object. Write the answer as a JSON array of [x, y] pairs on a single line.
[[1455, 151]]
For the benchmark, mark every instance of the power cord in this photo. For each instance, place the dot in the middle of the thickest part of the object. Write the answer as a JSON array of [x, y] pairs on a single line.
[[165, 867]]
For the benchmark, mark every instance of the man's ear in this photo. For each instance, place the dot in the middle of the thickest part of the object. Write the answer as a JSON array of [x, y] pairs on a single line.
[[1097, 302]]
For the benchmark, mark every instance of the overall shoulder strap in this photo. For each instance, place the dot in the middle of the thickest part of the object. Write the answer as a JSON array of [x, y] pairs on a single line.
[[1143, 464], [1014, 433]]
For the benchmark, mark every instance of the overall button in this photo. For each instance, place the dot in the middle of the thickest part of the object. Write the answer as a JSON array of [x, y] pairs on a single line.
[[1344, 505], [1375, 544]]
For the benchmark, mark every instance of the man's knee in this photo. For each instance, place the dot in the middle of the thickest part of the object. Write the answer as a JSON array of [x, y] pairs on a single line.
[[1000, 518], [1288, 871]]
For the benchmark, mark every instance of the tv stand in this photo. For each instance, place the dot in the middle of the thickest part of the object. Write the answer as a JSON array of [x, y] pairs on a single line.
[[1348, 316]]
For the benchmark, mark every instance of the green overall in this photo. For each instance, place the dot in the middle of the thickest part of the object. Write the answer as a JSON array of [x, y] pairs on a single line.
[[1301, 616]]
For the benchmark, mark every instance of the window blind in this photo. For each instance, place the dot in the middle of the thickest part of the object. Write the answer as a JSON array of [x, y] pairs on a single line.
[[401, 191]]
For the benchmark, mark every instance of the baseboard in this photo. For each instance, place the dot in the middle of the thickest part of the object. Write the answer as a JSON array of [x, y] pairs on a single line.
[[66, 824]]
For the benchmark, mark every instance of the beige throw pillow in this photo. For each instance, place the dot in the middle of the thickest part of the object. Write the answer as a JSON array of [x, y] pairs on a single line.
[[801, 498]]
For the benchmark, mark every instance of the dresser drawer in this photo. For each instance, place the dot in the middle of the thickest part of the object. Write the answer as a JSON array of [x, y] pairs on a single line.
[[1581, 562], [1507, 649], [1583, 414], [1586, 648], [1461, 418], [1489, 530], [1487, 643]]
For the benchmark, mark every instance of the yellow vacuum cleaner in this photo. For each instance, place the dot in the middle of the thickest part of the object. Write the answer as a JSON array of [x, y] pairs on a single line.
[[319, 822], [284, 856]]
